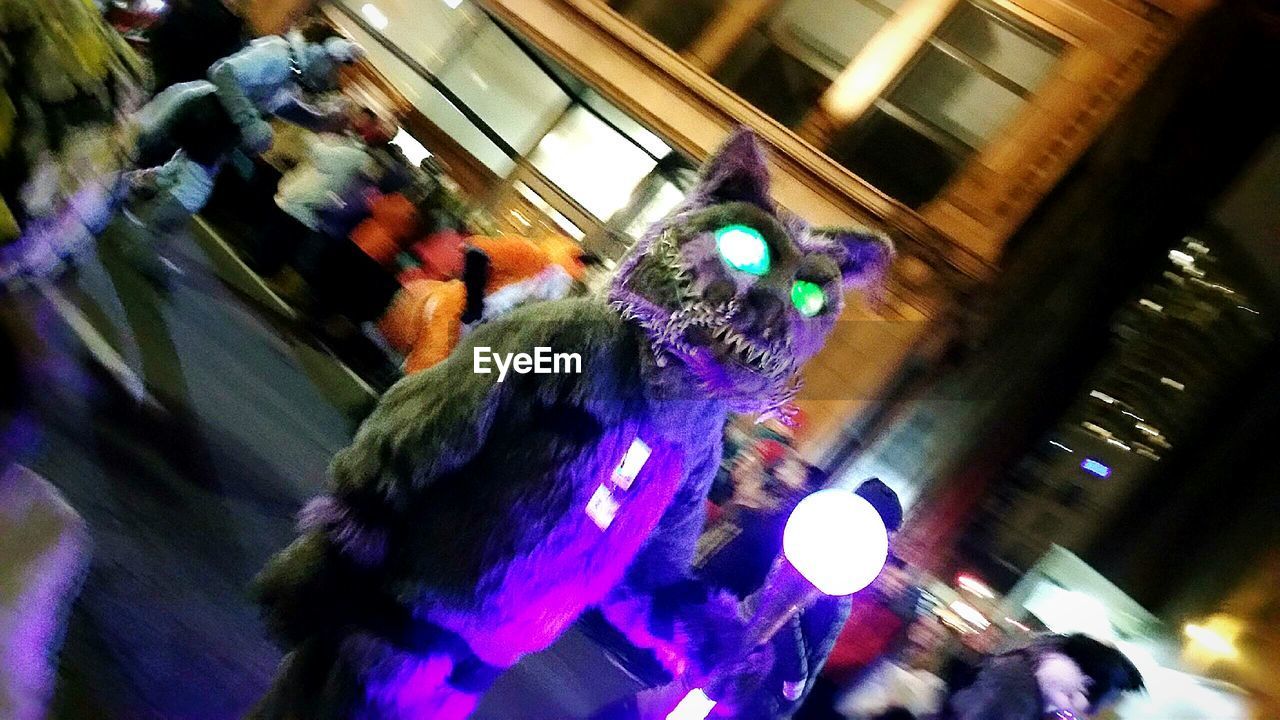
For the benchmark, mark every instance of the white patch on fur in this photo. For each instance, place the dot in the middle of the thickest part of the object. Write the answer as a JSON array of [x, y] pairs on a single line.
[[551, 283]]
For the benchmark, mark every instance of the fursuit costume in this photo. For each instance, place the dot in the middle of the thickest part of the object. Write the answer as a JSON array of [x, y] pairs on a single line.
[[471, 521]]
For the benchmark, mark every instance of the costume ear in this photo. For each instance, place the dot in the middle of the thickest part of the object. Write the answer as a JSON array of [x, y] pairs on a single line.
[[863, 255], [737, 172]]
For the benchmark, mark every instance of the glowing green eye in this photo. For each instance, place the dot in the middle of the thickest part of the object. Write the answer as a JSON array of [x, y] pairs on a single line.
[[743, 248], [808, 298]]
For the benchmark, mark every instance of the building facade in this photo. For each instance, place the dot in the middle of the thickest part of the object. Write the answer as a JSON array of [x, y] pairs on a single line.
[[942, 121]]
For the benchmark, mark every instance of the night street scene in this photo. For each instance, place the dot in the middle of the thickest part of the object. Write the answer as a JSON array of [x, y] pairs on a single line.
[[639, 360]]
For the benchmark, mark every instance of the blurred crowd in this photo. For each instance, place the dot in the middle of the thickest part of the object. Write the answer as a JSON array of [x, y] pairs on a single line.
[[144, 120], [882, 654]]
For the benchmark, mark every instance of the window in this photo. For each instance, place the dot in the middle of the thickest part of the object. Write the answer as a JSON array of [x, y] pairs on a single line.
[[428, 31], [502, 84], [675, 29], [784, 65], [503, 102], [960, 87], [573, 153], [967, 82], [426, 98]]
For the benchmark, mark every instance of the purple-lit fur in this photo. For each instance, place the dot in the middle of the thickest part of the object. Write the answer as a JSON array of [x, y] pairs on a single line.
[[462, 500], [735, 189]]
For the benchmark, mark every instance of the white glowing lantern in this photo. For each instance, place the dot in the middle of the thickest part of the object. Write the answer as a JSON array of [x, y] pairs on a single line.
[[836, 540]]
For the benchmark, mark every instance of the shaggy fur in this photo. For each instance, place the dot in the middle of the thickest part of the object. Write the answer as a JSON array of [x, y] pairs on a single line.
[[1073, 673], [454, 538]]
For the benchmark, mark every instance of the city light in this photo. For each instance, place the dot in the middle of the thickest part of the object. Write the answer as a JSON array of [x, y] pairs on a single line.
[[975, 586], [1065, 611], [969, 614], [836, 540], [1095, 467], [1017, 624], [1096, 429], [1102, 396], [414, 151], [1172, 383], [1057, 444], [1211, 640], [375, 16]]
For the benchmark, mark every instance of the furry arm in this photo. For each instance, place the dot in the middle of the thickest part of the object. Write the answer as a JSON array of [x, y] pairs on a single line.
[[659, 606], [432, 422]]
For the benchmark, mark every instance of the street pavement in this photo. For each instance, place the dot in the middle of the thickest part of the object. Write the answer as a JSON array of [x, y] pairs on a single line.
[[188, 461]]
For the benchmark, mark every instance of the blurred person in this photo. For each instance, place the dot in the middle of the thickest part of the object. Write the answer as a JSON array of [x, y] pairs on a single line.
[[906, 681], [64, 76], [802, 648], [331, 174], [962, 664], [769, 482], [187, 132], [737, 438], [1055, 677], [743, 443], [773, 682], [878, 620]]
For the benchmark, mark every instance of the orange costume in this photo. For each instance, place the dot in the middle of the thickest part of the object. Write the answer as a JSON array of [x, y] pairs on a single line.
[[425, 320]]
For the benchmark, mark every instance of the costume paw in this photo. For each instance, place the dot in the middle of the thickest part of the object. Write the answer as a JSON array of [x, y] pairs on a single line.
[[711, 635]]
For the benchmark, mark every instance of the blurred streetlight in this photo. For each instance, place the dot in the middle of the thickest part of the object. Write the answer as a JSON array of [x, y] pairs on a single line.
[[975, 586], [1214, 639]]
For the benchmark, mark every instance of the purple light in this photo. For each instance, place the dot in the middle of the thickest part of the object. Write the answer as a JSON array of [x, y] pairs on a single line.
[[836, 540], [694, 706], [1097, 468]]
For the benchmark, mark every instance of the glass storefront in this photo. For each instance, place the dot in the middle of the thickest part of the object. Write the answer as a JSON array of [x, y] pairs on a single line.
[[966, 82], [562, 157]]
